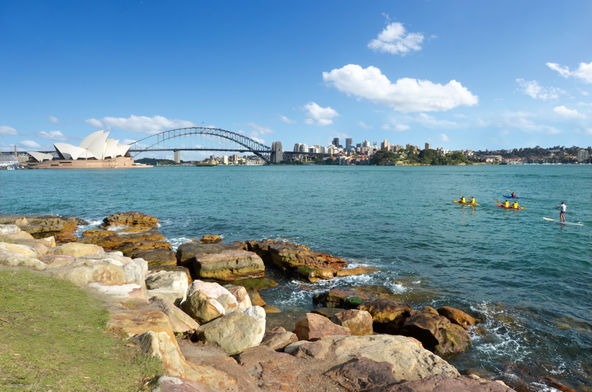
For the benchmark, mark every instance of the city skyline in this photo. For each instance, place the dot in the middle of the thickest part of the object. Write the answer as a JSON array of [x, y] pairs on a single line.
[[455, 75]]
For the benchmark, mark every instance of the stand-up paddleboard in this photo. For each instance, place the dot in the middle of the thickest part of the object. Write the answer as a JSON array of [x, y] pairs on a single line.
[[465, 204], [563, 223]]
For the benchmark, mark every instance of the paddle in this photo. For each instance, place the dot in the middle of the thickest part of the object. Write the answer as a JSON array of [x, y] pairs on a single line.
[[521, 208]]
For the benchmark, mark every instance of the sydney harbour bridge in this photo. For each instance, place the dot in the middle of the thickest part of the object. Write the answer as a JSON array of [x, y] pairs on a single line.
[[234, 143]]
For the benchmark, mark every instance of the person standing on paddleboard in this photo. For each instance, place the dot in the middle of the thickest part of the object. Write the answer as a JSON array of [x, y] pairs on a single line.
[[562, 209]]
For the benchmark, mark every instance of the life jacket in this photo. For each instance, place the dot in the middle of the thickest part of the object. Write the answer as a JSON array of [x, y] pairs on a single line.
[[473, 200], [515, 205], [463, 200], [506, 203]]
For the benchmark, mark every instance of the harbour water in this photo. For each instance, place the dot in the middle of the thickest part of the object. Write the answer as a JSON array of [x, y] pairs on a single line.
[[529, 280]]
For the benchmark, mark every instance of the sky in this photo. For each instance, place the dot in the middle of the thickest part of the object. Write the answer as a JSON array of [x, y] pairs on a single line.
[[457, 74]]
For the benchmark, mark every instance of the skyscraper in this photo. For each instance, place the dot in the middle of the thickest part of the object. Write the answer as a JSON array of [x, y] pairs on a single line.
[[336, 141], [348, 142]]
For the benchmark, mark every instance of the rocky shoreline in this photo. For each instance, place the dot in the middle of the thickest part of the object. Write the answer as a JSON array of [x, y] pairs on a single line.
[[199, 310]]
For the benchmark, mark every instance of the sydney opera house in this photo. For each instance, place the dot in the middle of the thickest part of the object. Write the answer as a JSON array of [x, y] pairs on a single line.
[[96, 151]]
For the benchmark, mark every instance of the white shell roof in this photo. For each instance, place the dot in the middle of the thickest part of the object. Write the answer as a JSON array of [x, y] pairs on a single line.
[[96, 145]]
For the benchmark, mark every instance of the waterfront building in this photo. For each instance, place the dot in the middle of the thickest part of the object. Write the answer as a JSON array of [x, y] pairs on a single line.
[[303, 148], [583, 155], [297, 147], [385, 145]]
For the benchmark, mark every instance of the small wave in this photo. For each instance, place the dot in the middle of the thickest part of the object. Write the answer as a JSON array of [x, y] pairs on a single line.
[[177, 241]]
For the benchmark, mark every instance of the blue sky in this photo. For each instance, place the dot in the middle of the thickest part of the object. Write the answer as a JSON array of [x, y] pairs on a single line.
[[457, 74]]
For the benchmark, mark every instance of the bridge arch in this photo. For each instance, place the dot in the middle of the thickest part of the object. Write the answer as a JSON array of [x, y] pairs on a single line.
[[250, 145]]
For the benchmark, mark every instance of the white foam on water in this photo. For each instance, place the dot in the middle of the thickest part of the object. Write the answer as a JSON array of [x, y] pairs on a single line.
[[504, 336], [540, 387], [92, 224], [396, 288], [177, 241]]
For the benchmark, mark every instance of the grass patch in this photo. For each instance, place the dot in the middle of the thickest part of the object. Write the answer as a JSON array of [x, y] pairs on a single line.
[[52, 337]]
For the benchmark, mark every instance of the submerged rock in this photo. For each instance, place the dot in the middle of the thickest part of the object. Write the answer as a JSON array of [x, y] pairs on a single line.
[[136, 221], [457, 316]]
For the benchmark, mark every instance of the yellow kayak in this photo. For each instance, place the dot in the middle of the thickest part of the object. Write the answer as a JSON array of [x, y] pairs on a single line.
[[468, 203]]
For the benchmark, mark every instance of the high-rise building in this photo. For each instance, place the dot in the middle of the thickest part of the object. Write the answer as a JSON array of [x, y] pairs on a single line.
[[335, 141], [583, 155], [385, 145], [427, 146], [348, 142]]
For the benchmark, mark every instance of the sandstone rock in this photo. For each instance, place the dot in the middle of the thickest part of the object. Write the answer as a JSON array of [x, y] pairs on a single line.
[[176, 384], [210, 239], [131, 219], [20, 237], [135, 271], [41, 226], [14, 259], [271, 309], [355, 271], [436, 333], [78, 249], [9, 229], [359, 322], [141, 249], [256, 298], [410, 361], [23, 250], [340, 298], [179, 320], [157, 257], [327, 312], [278, 338], [48, 241], [207, 301], [228, 265], [115, 241], [446, 384], [359, 374], [315, 326], [388, 315], [122, 291], [186, 252], [241, 295], [297, 259], [457, 316], [430, 309], [171, 285], [82, 272], [92, 233], [55, 261], [236, 331]]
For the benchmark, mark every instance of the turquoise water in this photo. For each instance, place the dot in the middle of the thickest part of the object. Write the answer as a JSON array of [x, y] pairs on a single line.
[[530, 280]]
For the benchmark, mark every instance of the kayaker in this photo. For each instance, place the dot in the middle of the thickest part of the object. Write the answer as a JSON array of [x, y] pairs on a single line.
[[513, 194], [515, 205], [462, 199], [473, 200], [506, 204], [562, 209]]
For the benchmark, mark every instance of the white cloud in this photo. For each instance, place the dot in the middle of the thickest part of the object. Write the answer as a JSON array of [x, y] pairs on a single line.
[[54, 119], [145, 124], [6, 130], [524, 122], [258, 131], [395, 40], [30, 144], [396, 127], [406, 95], [52, 135], [444, 137], [536, 91], [363, 125], [287, 120], [432, 122], [566, 112], [129, 141], [319, 115], [584, 71]]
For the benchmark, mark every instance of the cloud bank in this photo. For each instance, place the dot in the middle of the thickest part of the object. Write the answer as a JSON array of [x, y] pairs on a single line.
[[6, 130], [583, 72], [406, 95], [144, 124]]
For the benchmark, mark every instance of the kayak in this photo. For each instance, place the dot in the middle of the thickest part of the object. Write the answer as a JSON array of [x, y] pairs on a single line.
[[563, 223], [468, 203], [510, 207], [513, 197]]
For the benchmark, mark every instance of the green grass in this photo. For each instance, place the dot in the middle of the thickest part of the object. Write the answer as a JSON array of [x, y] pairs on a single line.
[[53, 338]]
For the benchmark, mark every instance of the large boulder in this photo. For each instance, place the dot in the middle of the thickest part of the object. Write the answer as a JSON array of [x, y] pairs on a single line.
[[388, 315], [446, 384], [78, 249], [359, 322], [409, 360], [457, 316], [300, 260], [186, 252], [130, 242], [130, 221], [315, 326], [359, 374], [180, 321], [41, 226], [170, 285], [14, 259], [436, 333], [346, 298], [157, 257], [206, 301], [135, 271], [278, 338], [241, 295], [236, 331], [210, 239], [9, 229], [228, 265], [81, 272]]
